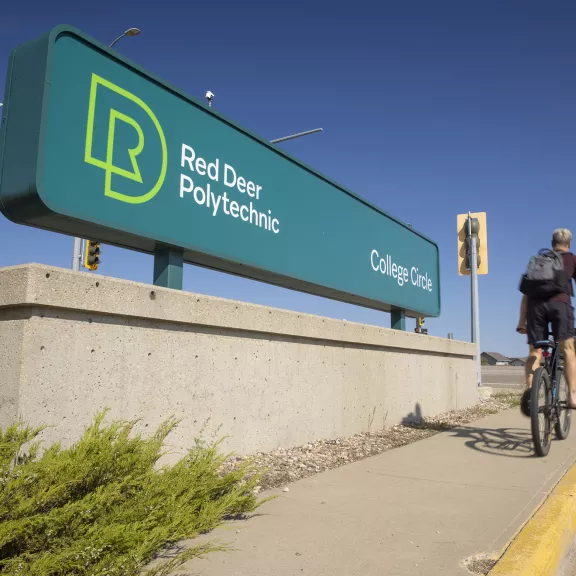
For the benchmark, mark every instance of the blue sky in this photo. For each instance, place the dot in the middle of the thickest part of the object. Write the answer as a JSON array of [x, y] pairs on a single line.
[[429, 109]]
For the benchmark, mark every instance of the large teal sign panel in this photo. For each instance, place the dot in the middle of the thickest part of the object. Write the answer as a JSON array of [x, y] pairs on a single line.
[[96, 147]]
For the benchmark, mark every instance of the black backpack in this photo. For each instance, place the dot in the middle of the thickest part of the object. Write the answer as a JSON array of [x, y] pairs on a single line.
[[545, 276]]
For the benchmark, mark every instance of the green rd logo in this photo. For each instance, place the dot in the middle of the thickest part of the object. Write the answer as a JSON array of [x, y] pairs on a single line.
[[121, 141]]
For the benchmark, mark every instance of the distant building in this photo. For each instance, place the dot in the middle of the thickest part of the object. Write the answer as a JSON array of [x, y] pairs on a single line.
[[517, 361], [495, 359]]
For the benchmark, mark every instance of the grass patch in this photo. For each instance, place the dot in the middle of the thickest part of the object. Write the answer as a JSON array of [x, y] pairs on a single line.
[[510, 398], [103, 507]]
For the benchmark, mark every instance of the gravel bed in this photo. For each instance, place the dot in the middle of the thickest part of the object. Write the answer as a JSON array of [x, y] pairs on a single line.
[[286, 465], [480, 564]]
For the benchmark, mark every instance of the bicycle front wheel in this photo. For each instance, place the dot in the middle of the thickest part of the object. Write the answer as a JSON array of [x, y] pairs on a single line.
[[540, 410]]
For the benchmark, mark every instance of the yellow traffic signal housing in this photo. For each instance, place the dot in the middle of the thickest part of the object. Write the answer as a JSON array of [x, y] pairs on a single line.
[[419, 323], [92, 255], [463, 256]]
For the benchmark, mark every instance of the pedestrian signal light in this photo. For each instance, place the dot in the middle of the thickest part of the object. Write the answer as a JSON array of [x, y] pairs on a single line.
[[419, 324]]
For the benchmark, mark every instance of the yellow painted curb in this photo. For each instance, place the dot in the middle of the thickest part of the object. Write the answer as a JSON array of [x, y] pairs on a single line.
[[541, 544]]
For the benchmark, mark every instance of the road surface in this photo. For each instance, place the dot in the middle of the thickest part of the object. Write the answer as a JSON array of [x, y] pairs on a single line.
[[503, 376]]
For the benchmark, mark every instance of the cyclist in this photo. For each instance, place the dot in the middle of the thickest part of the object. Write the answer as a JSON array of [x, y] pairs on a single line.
[[537, 314]]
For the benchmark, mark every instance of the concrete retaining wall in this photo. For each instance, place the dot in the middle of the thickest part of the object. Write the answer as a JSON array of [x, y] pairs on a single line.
[[73, 343]]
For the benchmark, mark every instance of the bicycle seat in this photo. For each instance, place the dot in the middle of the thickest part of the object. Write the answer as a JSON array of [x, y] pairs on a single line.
[[543, 344]]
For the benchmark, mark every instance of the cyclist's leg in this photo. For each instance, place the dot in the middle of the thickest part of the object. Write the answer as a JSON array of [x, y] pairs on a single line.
[[562, 319], [537, 328], [569, 353], [531, 365]]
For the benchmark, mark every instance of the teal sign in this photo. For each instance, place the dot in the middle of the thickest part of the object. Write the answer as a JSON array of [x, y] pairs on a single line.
[[94, 146]]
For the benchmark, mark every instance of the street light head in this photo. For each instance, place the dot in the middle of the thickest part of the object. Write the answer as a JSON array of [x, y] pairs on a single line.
[[129, 32]]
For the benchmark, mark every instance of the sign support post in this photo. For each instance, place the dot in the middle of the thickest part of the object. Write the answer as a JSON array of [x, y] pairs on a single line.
[[168, 267], [397, 319]]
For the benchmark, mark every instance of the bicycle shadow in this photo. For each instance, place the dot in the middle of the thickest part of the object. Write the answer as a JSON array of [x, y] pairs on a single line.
[[509, 442]]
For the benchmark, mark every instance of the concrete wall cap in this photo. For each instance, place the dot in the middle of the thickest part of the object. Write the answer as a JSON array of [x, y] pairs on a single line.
[[58, 288]]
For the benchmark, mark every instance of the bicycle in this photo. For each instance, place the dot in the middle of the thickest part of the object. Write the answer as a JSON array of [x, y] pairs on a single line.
[[548, 399]]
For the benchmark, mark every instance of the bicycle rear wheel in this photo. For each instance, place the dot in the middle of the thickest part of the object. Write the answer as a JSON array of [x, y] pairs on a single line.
[[562, 427], [540, 409]]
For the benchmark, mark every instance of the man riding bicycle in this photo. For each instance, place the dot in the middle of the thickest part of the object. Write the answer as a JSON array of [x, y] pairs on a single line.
[[550, 306]]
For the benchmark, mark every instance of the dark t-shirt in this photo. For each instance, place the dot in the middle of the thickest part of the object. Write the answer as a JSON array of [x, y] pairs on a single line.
[[570, 269]]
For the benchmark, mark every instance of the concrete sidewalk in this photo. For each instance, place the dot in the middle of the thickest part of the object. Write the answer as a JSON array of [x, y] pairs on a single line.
[[417, 510]]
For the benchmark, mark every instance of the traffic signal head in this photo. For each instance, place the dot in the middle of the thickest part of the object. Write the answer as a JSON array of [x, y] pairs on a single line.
[[92, 255], [472, 229], [468, 228], [419, 323]]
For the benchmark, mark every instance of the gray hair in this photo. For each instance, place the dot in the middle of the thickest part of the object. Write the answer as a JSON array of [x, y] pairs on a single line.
[[561, 237]]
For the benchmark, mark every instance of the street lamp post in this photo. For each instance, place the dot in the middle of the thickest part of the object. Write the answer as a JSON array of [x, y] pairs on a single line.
[[210, 98], [292, 136], [77, 246]]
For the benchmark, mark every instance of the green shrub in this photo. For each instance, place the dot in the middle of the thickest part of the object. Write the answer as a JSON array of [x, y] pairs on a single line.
[[103, 507]]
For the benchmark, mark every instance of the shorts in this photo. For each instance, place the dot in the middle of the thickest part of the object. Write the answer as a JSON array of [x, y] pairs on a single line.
[[540, 314]]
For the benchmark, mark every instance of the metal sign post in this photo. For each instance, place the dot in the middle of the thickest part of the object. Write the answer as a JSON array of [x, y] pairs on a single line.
[[473, 261], [475, 309], [76, 254]]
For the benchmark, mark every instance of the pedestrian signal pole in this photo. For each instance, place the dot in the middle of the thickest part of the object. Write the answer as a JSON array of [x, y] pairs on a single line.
[[473, 261]]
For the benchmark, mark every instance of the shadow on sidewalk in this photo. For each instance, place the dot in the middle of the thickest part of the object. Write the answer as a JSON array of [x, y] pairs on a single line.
[[511, 442]]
